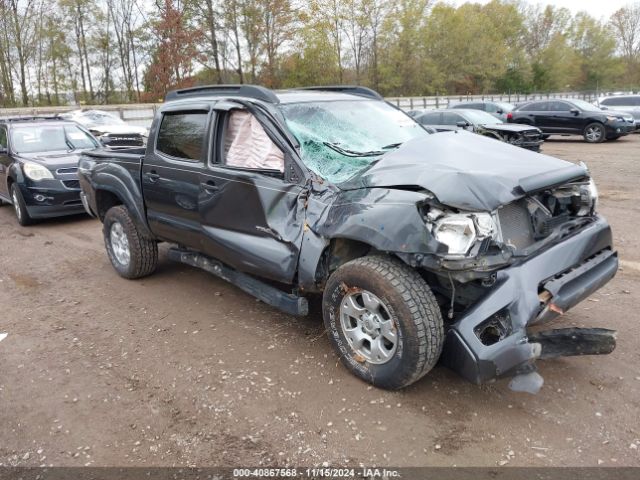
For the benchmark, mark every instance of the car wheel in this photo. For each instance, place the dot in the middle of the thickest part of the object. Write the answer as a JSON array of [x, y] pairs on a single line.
[[383, 321], [132, 254], [594, 133], [20, 207]]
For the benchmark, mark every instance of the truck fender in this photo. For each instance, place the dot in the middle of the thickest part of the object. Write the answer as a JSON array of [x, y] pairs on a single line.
[[117, 180]]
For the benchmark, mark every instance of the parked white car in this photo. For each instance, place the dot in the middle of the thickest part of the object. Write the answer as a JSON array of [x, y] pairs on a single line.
[[110, 129]]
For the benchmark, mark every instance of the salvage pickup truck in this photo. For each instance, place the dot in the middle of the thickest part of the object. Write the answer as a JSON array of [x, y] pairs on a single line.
[[426, 247]]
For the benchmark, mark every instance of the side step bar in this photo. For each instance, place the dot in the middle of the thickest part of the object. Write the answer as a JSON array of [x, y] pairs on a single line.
[[288, 303]]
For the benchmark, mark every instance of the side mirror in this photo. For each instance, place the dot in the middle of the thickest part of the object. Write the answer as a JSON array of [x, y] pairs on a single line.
[[604, 108], [462, 124], [575, 111], [499, 111]]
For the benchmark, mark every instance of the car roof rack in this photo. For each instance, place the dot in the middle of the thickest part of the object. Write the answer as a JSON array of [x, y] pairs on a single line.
[[31, 118], [353, 89], [251, 91]]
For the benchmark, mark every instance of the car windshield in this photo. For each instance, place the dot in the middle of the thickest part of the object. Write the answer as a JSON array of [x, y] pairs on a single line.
[[340, 138], [478, 117], [586, 106], [50, 138], [91, 119]]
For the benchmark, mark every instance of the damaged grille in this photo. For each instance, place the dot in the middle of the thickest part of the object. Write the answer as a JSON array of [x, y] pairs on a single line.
[[516, 226]]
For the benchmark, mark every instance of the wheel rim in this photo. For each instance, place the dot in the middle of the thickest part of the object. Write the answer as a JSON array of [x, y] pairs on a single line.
[[119, 244], [368, 327], [16, 204], [593, 134]]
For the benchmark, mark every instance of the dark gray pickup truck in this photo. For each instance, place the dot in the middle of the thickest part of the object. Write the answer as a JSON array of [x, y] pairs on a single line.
[[426, 247]]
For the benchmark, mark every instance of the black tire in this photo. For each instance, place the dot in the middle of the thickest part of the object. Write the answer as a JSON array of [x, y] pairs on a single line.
[[545, 136], [411, 306], [594, 138], [20, 207], [143, 252]]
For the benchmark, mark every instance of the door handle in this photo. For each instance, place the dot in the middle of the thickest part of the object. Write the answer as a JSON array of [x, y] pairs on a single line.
[[210, 186], [153, 176]]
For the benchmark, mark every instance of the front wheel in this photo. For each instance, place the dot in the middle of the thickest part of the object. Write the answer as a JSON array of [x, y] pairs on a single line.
[[383, 321], [594, 133], [132, 254], [20, 207]]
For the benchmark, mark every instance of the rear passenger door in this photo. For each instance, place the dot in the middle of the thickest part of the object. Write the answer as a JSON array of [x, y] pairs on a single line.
[[5, 161], [252, 204], [171, 174]]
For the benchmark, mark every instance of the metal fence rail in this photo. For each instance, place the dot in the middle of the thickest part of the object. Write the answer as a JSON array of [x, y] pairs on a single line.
[[142, 113]]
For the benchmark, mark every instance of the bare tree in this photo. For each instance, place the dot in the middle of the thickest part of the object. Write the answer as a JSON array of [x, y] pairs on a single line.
[[626, 25]]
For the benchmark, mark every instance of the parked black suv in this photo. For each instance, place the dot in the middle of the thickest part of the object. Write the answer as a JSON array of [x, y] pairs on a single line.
[[422, 244], [39, 165], [560, 116]]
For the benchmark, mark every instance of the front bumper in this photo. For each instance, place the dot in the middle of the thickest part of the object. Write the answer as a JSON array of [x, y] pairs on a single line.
[[568, 272], [618, 129], [51, 198]]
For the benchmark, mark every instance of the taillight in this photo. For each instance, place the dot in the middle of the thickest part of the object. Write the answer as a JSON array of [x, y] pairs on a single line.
[[509, 116]]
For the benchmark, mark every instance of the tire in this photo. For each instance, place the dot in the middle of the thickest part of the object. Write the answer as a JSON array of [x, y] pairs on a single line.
[[132, 254], [594, 133], [545, 136], [20, 207], [405, 306]]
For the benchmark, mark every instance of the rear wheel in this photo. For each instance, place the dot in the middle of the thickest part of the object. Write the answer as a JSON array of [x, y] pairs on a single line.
[[19, 206], [594, 133], [132, 254], [383, 321]]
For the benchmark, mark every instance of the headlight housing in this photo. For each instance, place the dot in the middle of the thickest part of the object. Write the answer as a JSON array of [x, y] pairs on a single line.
[[460, 231], [588, 198], [36, 172]]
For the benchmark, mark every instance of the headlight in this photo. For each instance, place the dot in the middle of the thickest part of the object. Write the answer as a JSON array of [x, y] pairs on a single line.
[[459, 231], [611, 118], [36, 172], [588, 198]]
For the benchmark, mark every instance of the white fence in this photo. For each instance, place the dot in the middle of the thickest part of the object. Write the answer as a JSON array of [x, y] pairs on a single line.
[[142, 113]]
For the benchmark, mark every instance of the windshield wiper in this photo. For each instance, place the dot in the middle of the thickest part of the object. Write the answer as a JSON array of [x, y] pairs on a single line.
[[352, 153], [392, 145]]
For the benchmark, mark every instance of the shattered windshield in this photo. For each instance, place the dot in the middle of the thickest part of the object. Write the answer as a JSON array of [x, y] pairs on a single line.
[[340, 138]]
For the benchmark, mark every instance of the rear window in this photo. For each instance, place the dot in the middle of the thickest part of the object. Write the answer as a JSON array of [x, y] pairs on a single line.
[[181, 135]]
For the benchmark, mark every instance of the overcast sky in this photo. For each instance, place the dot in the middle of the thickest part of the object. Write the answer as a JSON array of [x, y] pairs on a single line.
[[596, 8]]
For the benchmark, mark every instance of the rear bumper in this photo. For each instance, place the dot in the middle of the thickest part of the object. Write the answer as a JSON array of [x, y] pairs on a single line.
[[568, 272]]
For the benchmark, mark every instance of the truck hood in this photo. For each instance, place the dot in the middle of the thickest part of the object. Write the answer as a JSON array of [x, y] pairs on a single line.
[[466, 171]]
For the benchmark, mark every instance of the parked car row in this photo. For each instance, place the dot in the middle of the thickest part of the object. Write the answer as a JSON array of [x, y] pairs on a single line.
[[425, 246]]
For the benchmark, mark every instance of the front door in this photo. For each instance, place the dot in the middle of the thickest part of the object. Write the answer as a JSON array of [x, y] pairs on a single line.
[[252, 214], [562, 120], [171, 175]]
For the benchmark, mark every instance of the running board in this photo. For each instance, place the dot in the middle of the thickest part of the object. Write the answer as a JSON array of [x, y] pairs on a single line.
[[288, 303]]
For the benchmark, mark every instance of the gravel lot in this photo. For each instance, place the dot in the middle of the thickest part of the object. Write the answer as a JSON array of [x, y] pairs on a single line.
[[183, 369]]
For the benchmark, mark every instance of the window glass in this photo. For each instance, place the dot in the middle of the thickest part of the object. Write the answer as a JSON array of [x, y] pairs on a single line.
[[475, 106], [535, 107], [50, 138], [612, 102], [633, 101], [450, 118], [559, 107], [3, 137], [585, 106], [247, 145], [430, 119], [182, 134]]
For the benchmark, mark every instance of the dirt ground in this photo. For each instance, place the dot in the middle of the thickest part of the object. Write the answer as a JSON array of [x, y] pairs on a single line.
[[182, 369]]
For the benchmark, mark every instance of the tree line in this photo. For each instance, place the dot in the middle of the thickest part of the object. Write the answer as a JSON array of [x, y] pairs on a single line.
[[56, 52]]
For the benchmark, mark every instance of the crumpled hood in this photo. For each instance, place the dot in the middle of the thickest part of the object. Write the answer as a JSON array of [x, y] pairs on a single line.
[[510, 127], [118, 129], [466, 171]]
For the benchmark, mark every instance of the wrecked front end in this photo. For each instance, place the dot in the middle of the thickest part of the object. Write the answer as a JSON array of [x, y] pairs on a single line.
[[521, 265]]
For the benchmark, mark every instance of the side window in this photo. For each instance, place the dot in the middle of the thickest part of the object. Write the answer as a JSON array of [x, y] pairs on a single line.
[[559, 107], [430, 119], [247, 145], [182, 135], [3, 137], [610, 102], [449, 118], [633, 101], [478, 106], [492, 108], [535, 107]]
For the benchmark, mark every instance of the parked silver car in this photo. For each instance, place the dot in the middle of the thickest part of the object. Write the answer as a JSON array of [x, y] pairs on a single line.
[[622, 103], [497, 109]]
